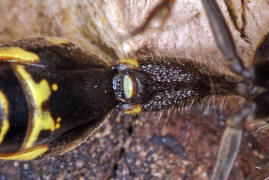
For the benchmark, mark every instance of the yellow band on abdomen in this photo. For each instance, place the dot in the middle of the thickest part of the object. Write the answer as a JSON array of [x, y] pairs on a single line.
[[38, 93], [17, 54], [26, 154]]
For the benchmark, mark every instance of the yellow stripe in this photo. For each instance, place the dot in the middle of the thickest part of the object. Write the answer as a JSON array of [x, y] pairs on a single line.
[[132, 63], [5, 122], [17, 54], [39, 93], [136, 109], [57, 40], [26, 154]]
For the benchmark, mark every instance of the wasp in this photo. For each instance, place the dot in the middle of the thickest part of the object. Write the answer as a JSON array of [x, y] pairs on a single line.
[[53, 94]]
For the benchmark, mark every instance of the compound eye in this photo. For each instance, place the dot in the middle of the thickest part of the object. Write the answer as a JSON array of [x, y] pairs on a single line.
[[129, 87]]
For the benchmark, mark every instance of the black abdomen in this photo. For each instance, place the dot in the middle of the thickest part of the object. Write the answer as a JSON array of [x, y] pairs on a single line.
[[14, 131], [44, 104]]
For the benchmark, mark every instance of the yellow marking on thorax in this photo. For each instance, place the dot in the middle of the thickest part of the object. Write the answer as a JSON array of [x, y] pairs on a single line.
[[57, 40], [26, 154], [136, 109], [54, 87], [17, 54], [39, 93], [132, 63], [5, 123]]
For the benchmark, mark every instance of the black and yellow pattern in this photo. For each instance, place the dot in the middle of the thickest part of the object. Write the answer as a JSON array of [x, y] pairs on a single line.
[[53, 94], [47, 91]]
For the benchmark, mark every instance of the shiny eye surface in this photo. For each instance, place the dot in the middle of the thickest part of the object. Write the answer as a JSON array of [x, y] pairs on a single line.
[[129, 87]]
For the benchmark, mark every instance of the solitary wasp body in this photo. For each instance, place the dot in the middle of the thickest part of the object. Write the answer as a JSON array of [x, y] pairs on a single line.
[[53, 94]]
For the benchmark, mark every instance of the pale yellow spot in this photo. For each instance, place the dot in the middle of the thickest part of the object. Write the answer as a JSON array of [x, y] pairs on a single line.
[[128, 87], [132, 63], [58, 122], [5, 122], [17, 54], [54, 87], [26, 154], [136, 109], [39, 93], [57, 40], [104, 20]]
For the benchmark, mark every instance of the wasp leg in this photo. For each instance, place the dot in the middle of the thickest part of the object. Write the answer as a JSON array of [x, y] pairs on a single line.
[[224, 38], [230, 142]]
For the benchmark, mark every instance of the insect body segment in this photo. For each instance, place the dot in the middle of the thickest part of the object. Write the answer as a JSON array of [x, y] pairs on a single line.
[[154, 84], [38, 93], [48, 107]]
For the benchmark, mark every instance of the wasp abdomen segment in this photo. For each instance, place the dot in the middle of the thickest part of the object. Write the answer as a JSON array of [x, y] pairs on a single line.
[[44, 104], [52, 95], [81, 96], [17, 109]]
